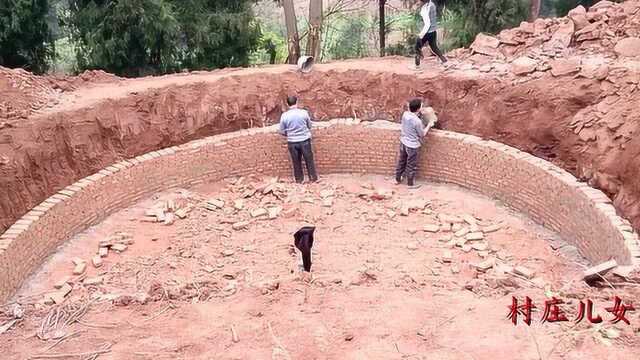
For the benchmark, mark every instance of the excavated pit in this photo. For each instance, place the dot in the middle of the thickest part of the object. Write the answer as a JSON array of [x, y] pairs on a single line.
[[100, 124], [563, 90], [397, 273], [383, 286]]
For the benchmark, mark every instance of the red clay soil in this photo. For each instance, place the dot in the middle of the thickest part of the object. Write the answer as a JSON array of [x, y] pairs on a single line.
[[561, 89], [383, 286]]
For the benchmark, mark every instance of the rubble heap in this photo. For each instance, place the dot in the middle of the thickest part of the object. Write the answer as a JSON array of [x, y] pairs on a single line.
[[607, 31]]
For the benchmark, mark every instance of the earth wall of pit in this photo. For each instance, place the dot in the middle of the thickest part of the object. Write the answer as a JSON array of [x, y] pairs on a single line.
[[549, 195]]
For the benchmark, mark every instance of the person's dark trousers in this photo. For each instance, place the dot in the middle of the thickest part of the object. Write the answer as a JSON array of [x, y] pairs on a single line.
[[303, 240], [298, 151], [431, 39], [407, 164]]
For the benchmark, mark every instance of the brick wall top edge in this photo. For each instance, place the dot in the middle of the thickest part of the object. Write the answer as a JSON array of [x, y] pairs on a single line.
[[382, 124], [320, 124]]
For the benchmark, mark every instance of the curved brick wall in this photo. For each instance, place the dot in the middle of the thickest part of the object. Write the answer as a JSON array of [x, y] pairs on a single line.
[[551, 196]]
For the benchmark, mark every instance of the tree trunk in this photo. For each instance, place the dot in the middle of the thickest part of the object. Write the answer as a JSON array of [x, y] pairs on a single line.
[[383, 30], [534, 10], [315, 28], [293, 39]]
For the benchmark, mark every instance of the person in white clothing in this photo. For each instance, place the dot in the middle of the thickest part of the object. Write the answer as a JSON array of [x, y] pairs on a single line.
[[429, 34]]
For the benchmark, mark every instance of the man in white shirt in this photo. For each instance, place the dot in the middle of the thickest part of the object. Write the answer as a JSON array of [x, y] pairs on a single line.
[[428, 34], [295, 124], [412, 133]]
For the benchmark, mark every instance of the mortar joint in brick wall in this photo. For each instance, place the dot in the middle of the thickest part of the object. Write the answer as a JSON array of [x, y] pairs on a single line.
[[24, 221], [53, 200], [31, 217], [95, 177], [129, 162], [74, 188], [35, 213], [9, 236], [60, 196], [105, 172], [67, 192], [14, 230], [83, 183]]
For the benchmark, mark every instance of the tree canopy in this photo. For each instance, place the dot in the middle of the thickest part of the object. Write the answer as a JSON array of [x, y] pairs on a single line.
[[25, 37], [140, 37]]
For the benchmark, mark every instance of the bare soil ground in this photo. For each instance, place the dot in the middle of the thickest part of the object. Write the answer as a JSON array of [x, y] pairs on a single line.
[[224, 283]]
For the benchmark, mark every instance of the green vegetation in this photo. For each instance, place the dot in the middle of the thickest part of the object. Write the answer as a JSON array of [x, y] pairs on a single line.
[[272, 49], [25, 37], [464, 19], [130, 38], [216, 33], [346, 38], [141, 37]]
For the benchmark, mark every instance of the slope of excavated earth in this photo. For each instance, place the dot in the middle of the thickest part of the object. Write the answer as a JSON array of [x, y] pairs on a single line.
[[562, 89]]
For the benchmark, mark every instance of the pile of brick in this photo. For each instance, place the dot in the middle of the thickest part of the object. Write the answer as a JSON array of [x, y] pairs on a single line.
[[118, 242], [249, 201], [167, 212], [457, 232]]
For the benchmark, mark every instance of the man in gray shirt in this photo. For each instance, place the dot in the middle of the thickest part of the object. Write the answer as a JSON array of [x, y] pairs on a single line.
[[412, 133], [295, 124]]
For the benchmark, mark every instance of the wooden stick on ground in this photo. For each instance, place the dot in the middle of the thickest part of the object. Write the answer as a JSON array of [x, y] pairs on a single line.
[[234, 335], [106, 348], [166, 308], [64, 338], [110, 326], [170, 306], [278, 343]]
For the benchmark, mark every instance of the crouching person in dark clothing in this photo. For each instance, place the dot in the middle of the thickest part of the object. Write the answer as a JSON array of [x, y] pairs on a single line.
[[412, 135], [295, 124]]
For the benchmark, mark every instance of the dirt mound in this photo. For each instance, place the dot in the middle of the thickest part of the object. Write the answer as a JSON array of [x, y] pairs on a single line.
[[603, 45], [91, 77], [607, 29], [24, 93]]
